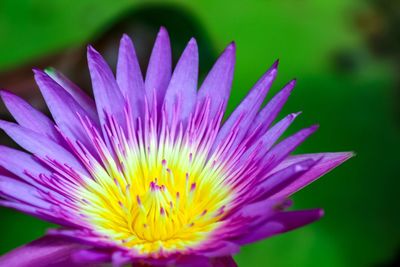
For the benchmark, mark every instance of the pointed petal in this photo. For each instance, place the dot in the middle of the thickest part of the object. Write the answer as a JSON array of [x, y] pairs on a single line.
[[280, 223], [265, 142], [12, 189], [107, 95], [29, 117], [158, 72], [129, 77], [40, 145], [44, 252], [85, 101], [248, 108], [64, 109], [261, 209], [21, 207], [217, 84], [180, 97], [284, 148], [268, 114], [281, 179], [18, 162], [273, 134], [221, 248], [327, 162]]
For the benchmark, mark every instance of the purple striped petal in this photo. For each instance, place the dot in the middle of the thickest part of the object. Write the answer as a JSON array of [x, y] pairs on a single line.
[[284, 148], [107, 95], [85, 101], [268, 114], [40, 145], [12, 189], [266, 141], [280, 223], [129, 77], [276, 131], [281, 179], [44, 252], [328, 161], [261, 209], [43, 214], [64, 109], [159, 69], [180, 97], [20, 164], [217, 84], [248, 108], [29, 117], [221, 248], [24, 208]]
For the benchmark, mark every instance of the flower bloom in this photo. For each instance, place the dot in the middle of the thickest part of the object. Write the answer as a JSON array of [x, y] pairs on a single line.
[[145, 173]]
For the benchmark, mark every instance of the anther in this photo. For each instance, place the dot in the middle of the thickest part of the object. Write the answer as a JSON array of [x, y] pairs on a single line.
[[192, 187]]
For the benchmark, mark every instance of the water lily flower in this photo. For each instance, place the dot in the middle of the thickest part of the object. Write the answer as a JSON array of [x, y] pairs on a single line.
[[147, 173]]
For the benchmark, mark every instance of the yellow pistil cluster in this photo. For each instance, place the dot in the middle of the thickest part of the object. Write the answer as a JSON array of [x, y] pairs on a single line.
[[156, 203]]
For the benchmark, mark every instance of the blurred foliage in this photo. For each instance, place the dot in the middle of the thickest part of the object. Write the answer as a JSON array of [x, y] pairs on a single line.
[[340, 86]]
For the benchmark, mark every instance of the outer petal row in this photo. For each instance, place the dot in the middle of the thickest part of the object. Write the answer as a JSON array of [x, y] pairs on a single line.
[[51, 251]]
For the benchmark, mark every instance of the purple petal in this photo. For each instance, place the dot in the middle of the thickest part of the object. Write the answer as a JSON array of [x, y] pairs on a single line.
[[248, 108], [227, 261], [42, 214], [12, 189], [107, 95], [129, 77], [18, 162], [284, 148], [40, 145], [180, 97], [88, 256], [281, 179], [328, 162], [280, 223], [273, 134], [120, 259], [24, 208], [29, 117], [220, 249], [266, 141], [268, 114], [44, 252], [192, 261], [158, 72], [64, 109], [80, 235], [85, 101], [201, 261], [261, 209], [217, 84], [295, 219]]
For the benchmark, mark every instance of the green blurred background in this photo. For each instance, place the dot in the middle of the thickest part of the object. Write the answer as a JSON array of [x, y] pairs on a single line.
[[345, 55]]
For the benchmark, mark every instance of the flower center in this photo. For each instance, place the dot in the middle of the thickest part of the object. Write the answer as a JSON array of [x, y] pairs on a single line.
[[165, 208], [154, 193]]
